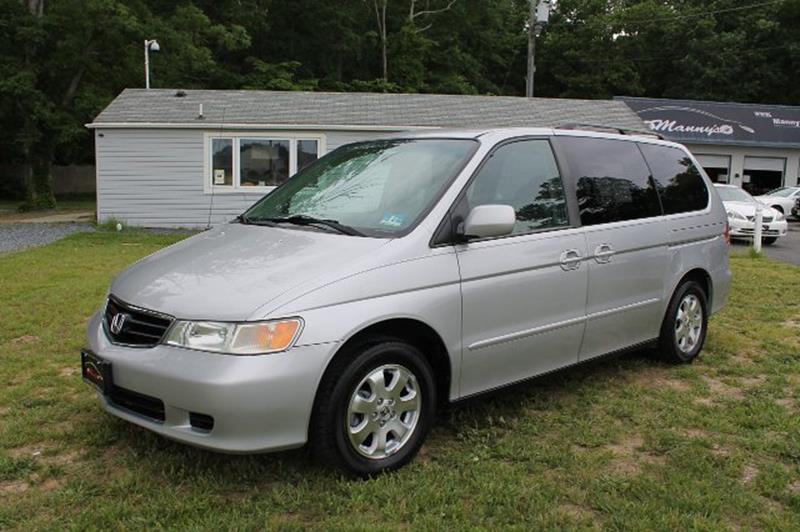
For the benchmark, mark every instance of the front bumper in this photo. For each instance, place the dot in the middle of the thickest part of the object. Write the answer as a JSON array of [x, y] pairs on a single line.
[[259, 403], [746, 228]]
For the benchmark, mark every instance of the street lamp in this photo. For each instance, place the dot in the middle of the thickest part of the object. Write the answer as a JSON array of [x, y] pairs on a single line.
[[540, 15], [149, 45]]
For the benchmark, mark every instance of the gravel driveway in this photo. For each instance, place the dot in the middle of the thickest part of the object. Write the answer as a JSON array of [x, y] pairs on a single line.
[[16, 237]]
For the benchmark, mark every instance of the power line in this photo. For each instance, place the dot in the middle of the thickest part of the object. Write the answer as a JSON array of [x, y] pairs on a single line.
[[677, 57], [705, 13]]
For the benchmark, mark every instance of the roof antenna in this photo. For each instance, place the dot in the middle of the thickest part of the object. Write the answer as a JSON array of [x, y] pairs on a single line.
[[221, 128]]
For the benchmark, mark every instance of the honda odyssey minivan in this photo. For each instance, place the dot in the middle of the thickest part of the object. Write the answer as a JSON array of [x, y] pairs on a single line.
[[393, 276]]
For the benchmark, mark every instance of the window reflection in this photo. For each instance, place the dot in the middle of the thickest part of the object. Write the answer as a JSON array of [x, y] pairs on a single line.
[[679, 183], [613, 181], [524, 175]]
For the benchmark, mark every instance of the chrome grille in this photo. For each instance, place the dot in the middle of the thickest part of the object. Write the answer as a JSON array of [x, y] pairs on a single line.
[[135, 326], [764, 219]]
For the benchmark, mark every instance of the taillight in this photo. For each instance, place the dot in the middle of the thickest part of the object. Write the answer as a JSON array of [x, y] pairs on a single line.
[[727, 233]]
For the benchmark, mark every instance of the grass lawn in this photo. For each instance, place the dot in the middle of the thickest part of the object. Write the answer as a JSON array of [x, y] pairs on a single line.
[[622, 443]]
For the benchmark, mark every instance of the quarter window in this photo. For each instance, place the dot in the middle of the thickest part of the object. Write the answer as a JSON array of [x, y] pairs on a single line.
[[613, 181], [246, 162], [523, 174], [679, 184]]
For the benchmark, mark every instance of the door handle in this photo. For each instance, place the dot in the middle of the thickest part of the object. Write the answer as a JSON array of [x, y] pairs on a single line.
[[570, 260], [603, 253]]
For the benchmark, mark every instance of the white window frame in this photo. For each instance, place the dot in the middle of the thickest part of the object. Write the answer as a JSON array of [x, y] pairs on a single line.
[[236, 136]]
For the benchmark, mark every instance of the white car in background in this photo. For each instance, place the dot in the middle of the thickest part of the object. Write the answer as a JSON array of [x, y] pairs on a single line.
[[741, 209], [781, 199]]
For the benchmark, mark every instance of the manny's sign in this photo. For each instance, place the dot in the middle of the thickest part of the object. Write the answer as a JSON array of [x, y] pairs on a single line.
[[719, 122]]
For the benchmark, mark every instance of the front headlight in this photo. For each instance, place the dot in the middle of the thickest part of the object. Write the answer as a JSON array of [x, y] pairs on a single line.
[[736, 216], [251, 338], [780, 217]]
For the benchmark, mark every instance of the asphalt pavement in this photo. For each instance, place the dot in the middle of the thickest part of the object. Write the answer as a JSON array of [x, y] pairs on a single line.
[[786, 249]]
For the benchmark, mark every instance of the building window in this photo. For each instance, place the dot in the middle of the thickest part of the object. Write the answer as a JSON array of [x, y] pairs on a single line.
[[252, 162], [263, 162], [222, 162], [307, 151]]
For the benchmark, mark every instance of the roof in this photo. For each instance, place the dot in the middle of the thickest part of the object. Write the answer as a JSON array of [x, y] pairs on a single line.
[[729, 123], [348, 110]]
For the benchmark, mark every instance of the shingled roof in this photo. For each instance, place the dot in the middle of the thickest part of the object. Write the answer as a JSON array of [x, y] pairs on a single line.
[[347, 110]]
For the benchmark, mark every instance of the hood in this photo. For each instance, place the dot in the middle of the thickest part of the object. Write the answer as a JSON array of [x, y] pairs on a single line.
[[229, 272], [767, 200], [747, 208]]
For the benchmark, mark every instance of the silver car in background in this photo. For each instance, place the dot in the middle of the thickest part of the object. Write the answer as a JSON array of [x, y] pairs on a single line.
[[393, 276]]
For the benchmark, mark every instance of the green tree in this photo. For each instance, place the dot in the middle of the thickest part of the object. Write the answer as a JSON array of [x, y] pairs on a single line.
[[62, 61]]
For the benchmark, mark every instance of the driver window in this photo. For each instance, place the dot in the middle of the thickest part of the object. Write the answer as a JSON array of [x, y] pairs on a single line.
[[523, 174]]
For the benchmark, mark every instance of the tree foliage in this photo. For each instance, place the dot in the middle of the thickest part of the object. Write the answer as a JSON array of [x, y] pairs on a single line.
[[62, 61]]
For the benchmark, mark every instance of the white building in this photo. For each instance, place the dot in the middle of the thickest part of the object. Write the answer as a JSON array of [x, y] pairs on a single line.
[[190, 158], [751, 145]]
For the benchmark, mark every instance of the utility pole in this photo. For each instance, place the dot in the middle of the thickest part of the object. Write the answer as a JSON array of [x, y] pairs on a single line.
[[539, 16], [531, 50]]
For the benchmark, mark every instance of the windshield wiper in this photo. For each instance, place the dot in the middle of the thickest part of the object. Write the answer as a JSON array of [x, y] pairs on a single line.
[[246, 220], [303, 219]]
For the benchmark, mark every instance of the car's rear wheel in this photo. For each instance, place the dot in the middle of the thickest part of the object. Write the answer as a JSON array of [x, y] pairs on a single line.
[[683, 331], [374, 408], [769, 240]]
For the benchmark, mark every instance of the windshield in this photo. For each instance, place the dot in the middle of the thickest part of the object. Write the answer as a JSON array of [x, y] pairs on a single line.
[[734, 194], [781, 192], [377, 188]]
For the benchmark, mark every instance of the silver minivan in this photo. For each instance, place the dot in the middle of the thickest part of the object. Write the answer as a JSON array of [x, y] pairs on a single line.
[[393, 276]]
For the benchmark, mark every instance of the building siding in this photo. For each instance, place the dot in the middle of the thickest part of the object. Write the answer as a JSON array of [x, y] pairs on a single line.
[[154, 177]]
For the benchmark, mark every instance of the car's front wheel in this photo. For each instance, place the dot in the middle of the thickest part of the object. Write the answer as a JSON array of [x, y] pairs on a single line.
[[374, 408]]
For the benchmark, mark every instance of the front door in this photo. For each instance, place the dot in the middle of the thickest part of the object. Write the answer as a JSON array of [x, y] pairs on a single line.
[[524, 295]]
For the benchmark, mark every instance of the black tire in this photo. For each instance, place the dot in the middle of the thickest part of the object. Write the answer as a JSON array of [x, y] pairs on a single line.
[[669, 349], [328, 437], [769, 240]]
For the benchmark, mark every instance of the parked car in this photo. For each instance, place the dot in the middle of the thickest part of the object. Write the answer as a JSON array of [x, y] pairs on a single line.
[[796, 208], [392, 276], [741, 209], [782, 199]]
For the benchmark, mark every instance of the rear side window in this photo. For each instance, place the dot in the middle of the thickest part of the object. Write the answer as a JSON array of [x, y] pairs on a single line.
[[522, 174], [612, 180], [677, 179]]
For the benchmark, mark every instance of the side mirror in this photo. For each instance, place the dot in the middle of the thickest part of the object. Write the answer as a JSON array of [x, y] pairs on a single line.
[[486, 221]]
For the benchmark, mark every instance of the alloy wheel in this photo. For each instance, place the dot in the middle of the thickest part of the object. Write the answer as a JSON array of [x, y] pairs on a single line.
[[383, 411], [688, 323]]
